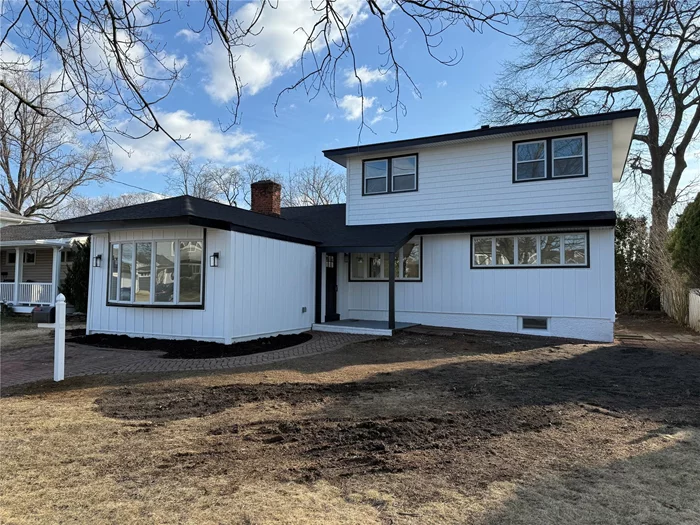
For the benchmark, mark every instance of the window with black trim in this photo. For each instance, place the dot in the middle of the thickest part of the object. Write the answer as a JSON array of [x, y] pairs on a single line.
[[390, 175], [375, 266], [159, 273], [550, 158], [528, 250]]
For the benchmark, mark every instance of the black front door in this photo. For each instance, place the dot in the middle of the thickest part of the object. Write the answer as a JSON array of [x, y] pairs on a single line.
[[331, 287]]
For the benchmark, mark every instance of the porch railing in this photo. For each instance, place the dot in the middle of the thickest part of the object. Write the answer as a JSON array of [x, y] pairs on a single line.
[[7, 292]]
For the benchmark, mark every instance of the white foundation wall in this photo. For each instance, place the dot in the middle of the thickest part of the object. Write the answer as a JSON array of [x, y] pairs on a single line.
[[259, 289], [579, 302]]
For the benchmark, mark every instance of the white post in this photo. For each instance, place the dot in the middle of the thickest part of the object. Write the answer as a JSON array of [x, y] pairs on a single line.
[[56, 271], [19, 257], [59, 355]]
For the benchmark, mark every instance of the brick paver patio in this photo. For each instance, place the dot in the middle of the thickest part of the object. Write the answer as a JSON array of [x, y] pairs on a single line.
[[36, 364]]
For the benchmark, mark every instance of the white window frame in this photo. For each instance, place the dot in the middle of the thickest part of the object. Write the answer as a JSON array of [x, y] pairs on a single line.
[[384, 263], [64, 256], [365, 178], [582, 156], [543, 159], [538, 235], [10, 252], [176, 274], [415, 173]]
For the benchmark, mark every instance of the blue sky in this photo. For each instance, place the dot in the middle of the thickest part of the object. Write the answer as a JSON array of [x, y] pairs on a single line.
[[302, 128]]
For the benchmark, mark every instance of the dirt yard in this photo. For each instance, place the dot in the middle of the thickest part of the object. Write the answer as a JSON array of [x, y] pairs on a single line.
[[420, 429], [19, 332]]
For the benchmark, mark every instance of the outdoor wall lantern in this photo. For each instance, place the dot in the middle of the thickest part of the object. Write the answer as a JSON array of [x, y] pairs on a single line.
[[214, 260], [97, 261]]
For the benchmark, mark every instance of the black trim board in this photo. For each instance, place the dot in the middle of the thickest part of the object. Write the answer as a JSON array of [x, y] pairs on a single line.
[[336, 154], [106, 226]]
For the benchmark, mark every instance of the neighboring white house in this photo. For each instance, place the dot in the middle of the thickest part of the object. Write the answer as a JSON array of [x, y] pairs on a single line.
[[505, 228], [34, 258], [9, 219]]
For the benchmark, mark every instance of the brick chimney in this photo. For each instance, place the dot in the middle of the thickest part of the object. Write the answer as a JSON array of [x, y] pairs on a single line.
[[265, 197]]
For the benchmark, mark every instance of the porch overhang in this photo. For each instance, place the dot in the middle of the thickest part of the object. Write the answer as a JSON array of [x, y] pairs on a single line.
[[390, 237]]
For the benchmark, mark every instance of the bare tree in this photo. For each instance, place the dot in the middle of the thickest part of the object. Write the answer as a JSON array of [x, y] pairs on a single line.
[[41, 157], [191, 178], [110, 61], [315, 185], [228, 182], [584, 56], [77, 205]]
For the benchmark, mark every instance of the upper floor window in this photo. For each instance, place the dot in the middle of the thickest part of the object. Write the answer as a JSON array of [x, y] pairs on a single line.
[[390, 175], [551, 158], [162, 273]]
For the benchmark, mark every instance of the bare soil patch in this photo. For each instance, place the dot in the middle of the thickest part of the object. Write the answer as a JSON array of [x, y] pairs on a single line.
[[189, 348], [418, 429]]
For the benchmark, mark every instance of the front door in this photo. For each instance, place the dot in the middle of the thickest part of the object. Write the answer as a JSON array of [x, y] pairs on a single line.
[[331, 287]]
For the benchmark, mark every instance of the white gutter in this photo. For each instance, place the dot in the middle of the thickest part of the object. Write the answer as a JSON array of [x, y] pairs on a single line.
[[63, 242]]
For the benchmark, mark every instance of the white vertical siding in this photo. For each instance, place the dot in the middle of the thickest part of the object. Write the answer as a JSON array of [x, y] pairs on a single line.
[[258, 290], [475, 180], [579, 301], [209, 323], [272, 281]]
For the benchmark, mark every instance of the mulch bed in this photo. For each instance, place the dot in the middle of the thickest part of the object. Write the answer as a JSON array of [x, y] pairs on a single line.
[[189, 348]]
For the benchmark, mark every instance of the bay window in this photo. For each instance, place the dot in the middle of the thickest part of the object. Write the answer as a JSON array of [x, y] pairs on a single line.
[[375, 266], [159, 273], [528, 250]]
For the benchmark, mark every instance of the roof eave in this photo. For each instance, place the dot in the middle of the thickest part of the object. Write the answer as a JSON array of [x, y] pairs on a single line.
[[340, 155]]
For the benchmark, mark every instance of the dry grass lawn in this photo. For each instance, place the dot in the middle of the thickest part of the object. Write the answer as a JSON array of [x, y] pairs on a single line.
[[420, 429]]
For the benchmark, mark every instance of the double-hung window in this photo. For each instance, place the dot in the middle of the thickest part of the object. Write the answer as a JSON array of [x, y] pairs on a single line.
[[568, 159], [530, 250], [375, 266], [390, 175], [531, 160], [158, 273], [550, 158]]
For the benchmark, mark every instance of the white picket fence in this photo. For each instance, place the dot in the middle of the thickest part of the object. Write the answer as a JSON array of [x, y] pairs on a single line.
[[694, 309]]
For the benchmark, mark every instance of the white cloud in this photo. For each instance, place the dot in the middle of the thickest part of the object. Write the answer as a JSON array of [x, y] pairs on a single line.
[[265, 56], [367, 75], [188, 35], [328, 117], [442, 83], [378, 116], [204, 140], [352, 106]]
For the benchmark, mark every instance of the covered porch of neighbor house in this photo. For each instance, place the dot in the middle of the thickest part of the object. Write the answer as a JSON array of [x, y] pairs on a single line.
[[31, 272]]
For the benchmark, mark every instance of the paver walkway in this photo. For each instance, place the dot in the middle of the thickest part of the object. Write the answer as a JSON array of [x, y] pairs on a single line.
[[36, 364]]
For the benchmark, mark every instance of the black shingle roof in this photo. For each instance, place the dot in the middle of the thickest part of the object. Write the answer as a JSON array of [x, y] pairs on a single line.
[[31, 232], [328, 224], [319, 225], [191, 210]]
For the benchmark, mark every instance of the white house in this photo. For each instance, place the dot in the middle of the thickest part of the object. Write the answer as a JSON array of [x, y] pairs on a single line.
[[506, 228], [34, 258]]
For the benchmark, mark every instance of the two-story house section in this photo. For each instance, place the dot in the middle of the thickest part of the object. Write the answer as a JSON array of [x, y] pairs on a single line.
[[507, 228]]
